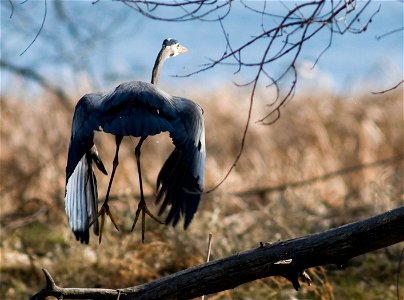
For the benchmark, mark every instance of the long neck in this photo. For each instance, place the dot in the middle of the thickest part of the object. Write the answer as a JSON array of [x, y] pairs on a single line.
[[161, 57]]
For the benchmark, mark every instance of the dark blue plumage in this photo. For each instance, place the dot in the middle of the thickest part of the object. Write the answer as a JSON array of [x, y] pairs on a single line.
[[136, 109]]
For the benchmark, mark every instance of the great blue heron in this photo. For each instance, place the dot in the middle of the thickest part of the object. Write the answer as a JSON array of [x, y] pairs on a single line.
[[137, 109]]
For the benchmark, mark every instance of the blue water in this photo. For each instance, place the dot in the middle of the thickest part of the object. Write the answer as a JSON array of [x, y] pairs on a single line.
[[108, 42]]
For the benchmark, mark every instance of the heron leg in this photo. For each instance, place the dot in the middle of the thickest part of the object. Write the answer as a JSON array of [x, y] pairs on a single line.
[[142, 207], [105, 211]]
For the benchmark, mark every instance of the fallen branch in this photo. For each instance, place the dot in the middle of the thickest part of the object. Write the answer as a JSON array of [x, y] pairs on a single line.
[[288, 259]]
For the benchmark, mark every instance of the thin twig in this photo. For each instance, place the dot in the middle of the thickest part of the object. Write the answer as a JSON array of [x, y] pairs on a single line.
[[12, 8], [379, 37], [398, 274], [390, 89], [208, 254], [39, 31]]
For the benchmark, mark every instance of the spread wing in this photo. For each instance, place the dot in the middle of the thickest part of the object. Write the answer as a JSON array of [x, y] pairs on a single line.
[[180, 181], [81, 197]]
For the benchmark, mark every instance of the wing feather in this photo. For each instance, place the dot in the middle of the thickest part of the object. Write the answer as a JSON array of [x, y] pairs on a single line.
[[180, 181], [81, 200]]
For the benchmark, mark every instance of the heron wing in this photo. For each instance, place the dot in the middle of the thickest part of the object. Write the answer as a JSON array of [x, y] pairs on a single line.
[[81, 197], [180, 181], [86, 119]]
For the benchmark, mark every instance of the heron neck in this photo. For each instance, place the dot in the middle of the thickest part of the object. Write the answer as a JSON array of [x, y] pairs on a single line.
[[161, 57]]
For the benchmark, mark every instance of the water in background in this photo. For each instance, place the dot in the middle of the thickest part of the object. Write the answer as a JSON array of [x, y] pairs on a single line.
[[89, 46]]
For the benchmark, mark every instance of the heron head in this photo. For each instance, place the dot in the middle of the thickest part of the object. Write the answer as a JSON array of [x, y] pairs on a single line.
[[172, 47]]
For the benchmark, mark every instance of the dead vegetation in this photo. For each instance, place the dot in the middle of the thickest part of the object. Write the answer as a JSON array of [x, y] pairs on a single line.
[[316, 135]]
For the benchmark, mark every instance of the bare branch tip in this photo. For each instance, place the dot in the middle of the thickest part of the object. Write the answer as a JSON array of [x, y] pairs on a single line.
[[390, 89], [12, 9], [50, 283]]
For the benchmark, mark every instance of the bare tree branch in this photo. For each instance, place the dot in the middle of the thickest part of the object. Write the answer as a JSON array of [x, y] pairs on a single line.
[[31, 74], [201, 10], [288, 259], [390, 89], [12, 8], [379, 37], [39, 30], [285, 41]]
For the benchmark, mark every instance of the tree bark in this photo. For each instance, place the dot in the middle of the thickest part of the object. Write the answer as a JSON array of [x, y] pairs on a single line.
[[288, 259]]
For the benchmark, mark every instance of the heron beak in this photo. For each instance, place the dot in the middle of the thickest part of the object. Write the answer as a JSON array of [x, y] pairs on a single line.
[[182, 49]]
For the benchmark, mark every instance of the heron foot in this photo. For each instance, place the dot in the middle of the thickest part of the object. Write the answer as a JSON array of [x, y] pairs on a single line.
[[104, 211], [142, 208]]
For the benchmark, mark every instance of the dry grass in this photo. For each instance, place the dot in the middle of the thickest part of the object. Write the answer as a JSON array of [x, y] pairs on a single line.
[[315, 135]]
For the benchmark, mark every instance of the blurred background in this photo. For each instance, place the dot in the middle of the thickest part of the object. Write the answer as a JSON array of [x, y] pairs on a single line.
[[333, 123]]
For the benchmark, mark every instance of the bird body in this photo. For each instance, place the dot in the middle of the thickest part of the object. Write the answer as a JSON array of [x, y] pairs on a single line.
[[136, 109]]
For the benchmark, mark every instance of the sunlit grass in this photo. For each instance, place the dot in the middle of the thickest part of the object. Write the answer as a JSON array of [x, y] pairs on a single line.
[[316, 134]]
